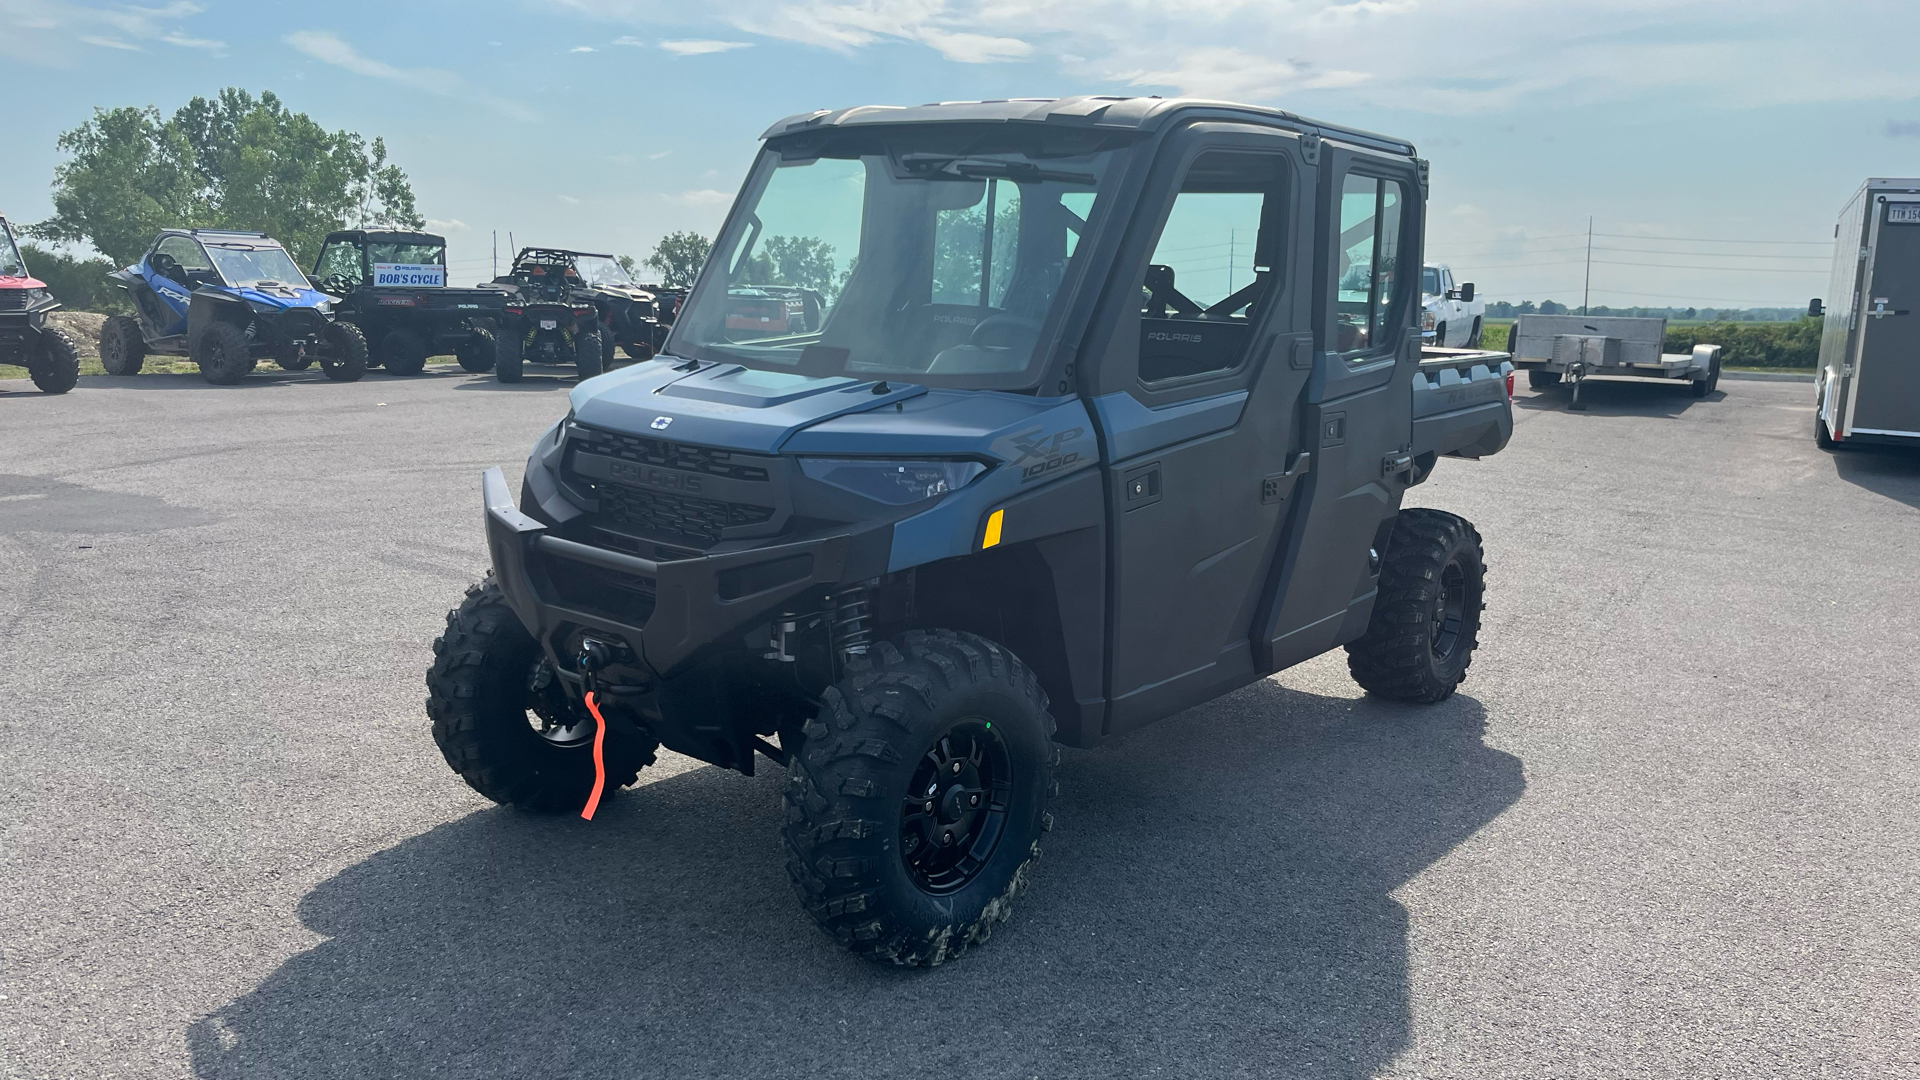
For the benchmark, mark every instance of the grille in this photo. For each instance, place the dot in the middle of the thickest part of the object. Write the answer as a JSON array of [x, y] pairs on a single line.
[[654, 513], [13, 299], [669, 455]]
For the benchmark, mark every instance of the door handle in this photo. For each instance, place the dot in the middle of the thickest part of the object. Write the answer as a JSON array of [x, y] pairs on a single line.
[[1277, 487]]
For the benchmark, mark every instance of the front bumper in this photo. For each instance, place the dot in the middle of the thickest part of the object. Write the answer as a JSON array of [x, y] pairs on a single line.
[[664, 613]]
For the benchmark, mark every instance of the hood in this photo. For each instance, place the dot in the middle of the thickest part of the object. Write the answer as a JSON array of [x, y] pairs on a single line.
[[8, 282], [734, 407], [283, 298]]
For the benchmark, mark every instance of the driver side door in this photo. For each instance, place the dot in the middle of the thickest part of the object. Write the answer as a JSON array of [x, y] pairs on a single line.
[[168, 270]]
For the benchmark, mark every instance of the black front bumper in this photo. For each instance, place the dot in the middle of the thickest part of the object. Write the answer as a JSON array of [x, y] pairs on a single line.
[[665, 613]]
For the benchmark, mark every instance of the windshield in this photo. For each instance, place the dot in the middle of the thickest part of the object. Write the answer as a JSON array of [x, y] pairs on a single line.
[[11, 264], [913, 259], [256, 266], [407, 254], [601, 270], [1430, 281]]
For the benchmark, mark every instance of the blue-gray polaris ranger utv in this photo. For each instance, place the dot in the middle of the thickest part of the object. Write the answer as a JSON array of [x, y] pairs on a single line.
[[987, 426]]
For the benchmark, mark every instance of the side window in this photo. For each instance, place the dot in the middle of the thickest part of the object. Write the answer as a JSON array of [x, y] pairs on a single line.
[[1216, 265], [339, 266], [184, 251], [1367, 262]]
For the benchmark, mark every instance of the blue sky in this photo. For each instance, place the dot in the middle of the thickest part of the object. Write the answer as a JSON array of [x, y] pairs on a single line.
[[1712, 141]]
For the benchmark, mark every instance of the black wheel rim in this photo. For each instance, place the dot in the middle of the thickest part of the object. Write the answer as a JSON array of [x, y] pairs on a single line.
[[956, 807], [551, 713], [1449, 609]]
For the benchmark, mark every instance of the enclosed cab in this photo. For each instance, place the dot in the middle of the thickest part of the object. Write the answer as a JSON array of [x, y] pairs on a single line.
[[1867, 388], [26, 338], [393, 286], [1021, 457]]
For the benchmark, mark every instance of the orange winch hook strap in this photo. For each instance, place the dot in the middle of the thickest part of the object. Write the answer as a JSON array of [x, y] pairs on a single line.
[[599, 760]]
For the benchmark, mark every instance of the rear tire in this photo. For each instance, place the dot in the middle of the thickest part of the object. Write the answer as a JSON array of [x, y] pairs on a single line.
[[56, 366], [122, 347], [477, 352], [403, 352], [1543, 380], [221, 353], [1473, 339], [1702, 386], [943, 717], [1426, 618], [482, 698], [508, 364], [343, 355], [588, 355]]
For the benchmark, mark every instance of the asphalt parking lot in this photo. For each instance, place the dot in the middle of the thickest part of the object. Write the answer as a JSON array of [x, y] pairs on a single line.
[[1669, 827]]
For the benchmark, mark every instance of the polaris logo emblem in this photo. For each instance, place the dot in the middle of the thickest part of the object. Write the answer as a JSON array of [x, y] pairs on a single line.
[[649, 476], [660, 423], [1162, 335]]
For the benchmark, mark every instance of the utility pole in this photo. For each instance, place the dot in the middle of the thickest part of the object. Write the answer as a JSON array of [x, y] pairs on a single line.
[[1232, 234], [1586, 291], [496, 253]]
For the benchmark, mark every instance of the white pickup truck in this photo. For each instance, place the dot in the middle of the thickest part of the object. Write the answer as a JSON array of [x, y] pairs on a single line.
[[1451, 317]]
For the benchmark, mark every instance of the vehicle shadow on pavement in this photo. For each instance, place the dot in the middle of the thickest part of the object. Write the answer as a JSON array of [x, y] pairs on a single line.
[[1215, 900], [1608, 397], [1891, 471]]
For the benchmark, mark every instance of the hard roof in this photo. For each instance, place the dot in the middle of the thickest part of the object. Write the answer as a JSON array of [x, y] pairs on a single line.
[[390, 236], [1119, 113]]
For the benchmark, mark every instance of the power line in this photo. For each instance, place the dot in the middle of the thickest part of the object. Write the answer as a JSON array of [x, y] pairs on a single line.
[[1709, 240], [1726, 269]]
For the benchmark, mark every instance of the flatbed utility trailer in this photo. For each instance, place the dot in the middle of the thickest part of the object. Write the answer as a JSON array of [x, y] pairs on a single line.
[[1576, 348], [1867, 388]]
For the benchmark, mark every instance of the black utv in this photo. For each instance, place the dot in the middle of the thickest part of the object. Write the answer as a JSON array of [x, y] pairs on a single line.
[[1054, 461], [51, 358], [393, 286], [549, 316], [632, 316]]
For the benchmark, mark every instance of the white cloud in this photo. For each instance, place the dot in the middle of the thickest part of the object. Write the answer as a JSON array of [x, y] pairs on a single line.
[[703, 197], [43, 32], [570, 199], [112, 43], [630, 40], [698, 47], [447, 226], [327, 47], [658, 156], [581, 48]]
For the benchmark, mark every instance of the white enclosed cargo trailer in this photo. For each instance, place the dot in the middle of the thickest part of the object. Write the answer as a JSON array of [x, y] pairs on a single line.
[[1867, 388]]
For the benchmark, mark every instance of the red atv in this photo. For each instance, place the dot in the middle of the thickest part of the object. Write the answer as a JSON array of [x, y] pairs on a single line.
[[26, 340]]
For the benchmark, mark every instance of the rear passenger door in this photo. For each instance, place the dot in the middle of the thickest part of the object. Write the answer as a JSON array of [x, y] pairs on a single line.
[[1204, 377], [1358, 412]]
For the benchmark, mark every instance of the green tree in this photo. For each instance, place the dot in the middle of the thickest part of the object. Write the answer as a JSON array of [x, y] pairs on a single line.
[[679, 256], [80, 284], [231, 161], [805, 261]]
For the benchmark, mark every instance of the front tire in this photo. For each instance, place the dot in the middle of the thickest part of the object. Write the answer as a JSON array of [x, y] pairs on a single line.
[[476, 353], [916, 803], [222, 354], [508, 364], [587, 354], [122, 347], [343, 357], [505, 723], [404, 353], [1426, 618], [56, 366]]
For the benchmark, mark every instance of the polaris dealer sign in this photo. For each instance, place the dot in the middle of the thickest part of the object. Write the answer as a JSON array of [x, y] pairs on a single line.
[[388, 274]]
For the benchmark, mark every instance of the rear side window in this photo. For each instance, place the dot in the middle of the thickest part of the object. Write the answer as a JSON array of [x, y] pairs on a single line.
[[339, 266], [1366, 261], [1215, 266], [184, 251]]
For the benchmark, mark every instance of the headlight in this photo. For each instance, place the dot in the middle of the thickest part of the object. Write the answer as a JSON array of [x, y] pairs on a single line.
[[895, 483], [1426, 320], [34, 296]]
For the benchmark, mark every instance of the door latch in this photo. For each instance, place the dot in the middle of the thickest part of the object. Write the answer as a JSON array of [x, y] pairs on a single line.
[[1278, 486], [1395, 463]]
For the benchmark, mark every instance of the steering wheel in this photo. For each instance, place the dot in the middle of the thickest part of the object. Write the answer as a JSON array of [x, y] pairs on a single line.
[[1004, 331]]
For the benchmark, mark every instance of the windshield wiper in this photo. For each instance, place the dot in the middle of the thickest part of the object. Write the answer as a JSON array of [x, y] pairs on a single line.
[[929, 166]]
